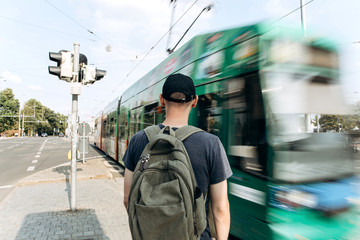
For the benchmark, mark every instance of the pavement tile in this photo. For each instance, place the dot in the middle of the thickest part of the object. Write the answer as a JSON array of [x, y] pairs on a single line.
[[39, 208]]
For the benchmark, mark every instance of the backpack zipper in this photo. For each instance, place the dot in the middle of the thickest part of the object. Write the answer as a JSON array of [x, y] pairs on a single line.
[[144, 162]]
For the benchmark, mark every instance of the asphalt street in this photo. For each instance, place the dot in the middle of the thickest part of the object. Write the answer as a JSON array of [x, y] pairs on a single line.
[[21, 157]]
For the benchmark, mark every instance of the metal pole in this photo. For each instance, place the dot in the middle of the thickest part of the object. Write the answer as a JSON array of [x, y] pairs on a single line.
[[74, 123], [303, 26], [171, 25], [83, 136], [19, 118], [23, 125], [303, 23], [317, 123]]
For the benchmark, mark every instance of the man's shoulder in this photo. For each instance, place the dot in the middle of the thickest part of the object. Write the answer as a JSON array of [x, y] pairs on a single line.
[[139, 136], [204, 138], [207, 135]]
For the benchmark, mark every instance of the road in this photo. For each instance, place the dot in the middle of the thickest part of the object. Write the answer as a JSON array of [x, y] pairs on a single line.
[[21, 157]]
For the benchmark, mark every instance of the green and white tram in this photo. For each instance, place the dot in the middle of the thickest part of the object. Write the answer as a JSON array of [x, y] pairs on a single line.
[[257, 87]]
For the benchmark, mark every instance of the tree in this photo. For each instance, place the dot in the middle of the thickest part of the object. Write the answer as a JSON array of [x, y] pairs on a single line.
[[42, 118], [32, 124], [346, 123], [330, 123], [9, 106]]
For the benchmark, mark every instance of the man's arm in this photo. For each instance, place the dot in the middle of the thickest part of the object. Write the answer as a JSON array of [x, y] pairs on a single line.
[[220, 209], [128, 176]]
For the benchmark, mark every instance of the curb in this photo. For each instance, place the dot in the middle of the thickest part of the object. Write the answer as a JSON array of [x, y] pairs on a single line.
[[25, 182]]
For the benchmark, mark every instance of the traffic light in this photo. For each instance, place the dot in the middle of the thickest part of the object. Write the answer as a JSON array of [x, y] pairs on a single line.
[[64, 60], [64, 68], [91, 74]]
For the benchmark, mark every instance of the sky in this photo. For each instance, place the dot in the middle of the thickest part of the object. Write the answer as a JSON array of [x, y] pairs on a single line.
[[128, 38]]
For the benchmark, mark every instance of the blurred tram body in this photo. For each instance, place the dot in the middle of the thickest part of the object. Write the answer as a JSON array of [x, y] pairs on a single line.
[[256, 84]]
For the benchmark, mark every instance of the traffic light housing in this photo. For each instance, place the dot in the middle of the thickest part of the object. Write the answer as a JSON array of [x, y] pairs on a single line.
[[91, 74], [64, 60], [64, 68]]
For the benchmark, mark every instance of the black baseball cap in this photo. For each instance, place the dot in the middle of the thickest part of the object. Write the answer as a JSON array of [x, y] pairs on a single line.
[[179, 83]]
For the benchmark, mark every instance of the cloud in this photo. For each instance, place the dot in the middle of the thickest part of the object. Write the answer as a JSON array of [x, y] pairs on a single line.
[[35, 88], [276, 7], [8, 76]]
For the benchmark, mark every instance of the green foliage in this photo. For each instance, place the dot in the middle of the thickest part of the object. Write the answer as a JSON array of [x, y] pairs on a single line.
[[41, 119], [344, 123], [36, 117], [9, 108]]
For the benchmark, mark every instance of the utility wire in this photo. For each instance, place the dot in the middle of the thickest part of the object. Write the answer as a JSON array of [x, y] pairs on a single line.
[[292, 11], [91, 32], [132, 70], [46, 28], [88, 30]]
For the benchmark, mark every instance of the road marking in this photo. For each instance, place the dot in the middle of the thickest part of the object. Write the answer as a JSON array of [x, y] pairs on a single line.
[[38, 153], [37, 156], [10, 147], [34, 161], [1, 150], [6, 186], [31, 168]]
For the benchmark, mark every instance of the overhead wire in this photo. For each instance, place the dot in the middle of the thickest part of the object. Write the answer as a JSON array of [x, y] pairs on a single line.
[[91, 32], [84, 27], [148, 52], [46, 28], [292, 11]]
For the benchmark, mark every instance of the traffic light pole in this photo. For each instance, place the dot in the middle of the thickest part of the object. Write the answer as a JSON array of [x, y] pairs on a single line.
[[67, 69], [75, 91]]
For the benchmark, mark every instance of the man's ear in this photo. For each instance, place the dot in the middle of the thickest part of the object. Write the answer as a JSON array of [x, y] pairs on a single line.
[[162, 100], [194, 102]]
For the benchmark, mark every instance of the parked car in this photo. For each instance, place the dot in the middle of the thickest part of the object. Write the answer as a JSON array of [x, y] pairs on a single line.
[[44, 135], [61, 134], [355, 147]]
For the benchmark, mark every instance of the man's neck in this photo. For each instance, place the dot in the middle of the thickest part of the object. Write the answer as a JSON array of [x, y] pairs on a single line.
[[175, 123]]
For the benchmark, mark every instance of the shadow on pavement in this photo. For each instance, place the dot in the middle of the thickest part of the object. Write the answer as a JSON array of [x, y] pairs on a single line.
[[66, 170], [79, 224]]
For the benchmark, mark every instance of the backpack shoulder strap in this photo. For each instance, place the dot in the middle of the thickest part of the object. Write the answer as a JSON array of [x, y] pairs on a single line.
[[152, 131], [186, 131]]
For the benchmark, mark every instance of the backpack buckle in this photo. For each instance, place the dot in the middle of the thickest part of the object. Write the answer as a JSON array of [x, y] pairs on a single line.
[[167, 130]]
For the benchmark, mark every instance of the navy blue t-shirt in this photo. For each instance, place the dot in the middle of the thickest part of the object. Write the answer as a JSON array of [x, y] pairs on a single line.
[[207, 156]]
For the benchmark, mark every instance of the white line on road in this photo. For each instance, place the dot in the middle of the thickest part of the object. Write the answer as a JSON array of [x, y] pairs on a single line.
[[1, 150], [6, 186], [31, 168], [37, 156], [34, 161], [38, 153]]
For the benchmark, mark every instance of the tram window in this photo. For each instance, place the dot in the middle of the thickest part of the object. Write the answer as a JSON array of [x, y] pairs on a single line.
[[138, 120], [246, 126], [131, 124], [122, 124], [104, 127], [210, 112], [150, 115], [112, 127]]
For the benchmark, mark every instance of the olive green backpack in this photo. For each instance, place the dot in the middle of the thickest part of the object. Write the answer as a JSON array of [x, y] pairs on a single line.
[[164, 201]]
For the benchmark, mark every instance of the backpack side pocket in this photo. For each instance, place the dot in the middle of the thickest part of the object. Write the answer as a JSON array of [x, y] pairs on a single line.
[[199, 212]]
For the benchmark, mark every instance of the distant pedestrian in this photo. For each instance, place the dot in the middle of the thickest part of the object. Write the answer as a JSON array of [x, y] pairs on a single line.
[[206, 152]]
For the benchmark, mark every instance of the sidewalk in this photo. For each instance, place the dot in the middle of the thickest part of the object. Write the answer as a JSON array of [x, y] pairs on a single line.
[[39, 207]]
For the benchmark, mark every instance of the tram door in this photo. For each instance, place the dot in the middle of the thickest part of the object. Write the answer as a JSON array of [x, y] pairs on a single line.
[[247, 153]]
